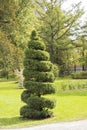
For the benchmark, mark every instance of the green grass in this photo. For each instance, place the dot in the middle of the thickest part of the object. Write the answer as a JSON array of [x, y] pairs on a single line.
[[70, 104]]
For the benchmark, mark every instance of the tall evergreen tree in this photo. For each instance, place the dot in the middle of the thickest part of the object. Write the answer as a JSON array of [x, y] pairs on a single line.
[[38, 81]]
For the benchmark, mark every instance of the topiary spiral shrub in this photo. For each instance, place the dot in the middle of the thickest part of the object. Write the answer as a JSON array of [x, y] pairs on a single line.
[[38, 81]]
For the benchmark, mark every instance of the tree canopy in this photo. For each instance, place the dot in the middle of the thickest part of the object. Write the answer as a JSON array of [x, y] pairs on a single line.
[[56, 27]]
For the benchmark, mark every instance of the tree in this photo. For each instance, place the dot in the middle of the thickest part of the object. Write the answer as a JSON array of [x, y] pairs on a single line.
[[38, 81], [81, 45], [25, 22], [10, 56], [56, 25], [17, 20], [83, 51]]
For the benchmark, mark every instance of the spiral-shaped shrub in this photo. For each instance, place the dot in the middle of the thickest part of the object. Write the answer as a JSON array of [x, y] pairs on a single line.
[[38, 80]]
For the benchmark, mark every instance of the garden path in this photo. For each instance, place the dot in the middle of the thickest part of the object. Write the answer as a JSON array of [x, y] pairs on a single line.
[[75, 125]]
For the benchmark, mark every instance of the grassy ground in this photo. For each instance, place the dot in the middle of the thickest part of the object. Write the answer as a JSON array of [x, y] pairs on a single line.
[[71, 104]]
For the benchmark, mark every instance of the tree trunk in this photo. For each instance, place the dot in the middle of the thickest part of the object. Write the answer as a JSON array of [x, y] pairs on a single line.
[[74, 67], [52, 45], [52, 52], [83, 67], [83, 55]]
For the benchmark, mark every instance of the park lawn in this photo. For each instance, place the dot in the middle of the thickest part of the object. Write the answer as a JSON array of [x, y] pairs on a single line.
[[70, 105]]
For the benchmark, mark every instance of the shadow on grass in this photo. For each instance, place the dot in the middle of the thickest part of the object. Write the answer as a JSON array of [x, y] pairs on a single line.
[[9, 88], [18, 122], [8, 80], [8, 85], [11, 121], [72, 93]]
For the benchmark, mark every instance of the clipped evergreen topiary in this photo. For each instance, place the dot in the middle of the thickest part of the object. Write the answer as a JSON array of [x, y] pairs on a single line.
[[38, 81]]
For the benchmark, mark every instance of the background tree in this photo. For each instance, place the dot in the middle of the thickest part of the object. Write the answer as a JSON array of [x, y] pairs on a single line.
[[83, 52], [56, 26], [26, 21], [10, 56], [16, 22], [38, 80], [80, 45]]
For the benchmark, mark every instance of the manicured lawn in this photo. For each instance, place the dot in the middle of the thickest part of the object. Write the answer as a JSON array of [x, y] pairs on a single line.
[[70, 104]]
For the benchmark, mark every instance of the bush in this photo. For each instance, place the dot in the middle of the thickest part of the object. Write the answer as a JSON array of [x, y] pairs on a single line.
[[37, 65], [3, 74], [37, 54], [39, 87], [6, 74], [38, 81], [34, 114], [79, 75], [38, 103], [39, 76], [36, 45]]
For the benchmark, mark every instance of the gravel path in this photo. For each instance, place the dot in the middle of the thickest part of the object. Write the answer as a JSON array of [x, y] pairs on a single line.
[[75, 125]]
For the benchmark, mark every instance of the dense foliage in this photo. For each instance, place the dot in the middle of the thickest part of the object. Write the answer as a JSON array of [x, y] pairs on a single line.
[[10, 56], [79, 75], [38, 80], [57, 28]]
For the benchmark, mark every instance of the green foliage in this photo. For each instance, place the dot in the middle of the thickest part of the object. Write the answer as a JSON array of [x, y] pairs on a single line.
[[38, 76], [36, 43], [55, 70], [17, 19], [34, 114], [38, 65], [37, 54], [79, 75], [35, 106], [6, 74], [38, 80], [3, 73], [25, 95], [56, 31], [10, 56], [40, 88], [71, 85], [37, 103]]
